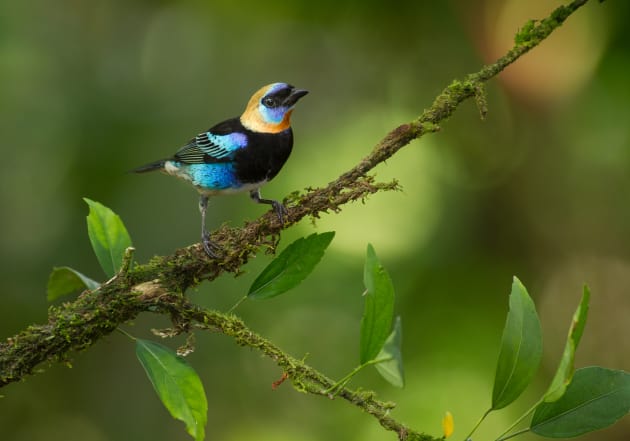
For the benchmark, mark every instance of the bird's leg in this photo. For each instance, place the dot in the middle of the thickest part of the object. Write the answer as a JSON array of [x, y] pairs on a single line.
[[280, 209], [209, 246]]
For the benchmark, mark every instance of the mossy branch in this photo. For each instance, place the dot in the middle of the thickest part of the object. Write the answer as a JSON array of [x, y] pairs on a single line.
[[158, 286]]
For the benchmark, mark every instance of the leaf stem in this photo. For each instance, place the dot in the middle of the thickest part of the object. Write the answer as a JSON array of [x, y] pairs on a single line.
[[237, 304], [127, 261], [476, 426], [502, 437], [520, 432], [125, 333], [339, 385]]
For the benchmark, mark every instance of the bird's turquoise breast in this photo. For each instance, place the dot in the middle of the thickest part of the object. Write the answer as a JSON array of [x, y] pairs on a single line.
[[206, 177]]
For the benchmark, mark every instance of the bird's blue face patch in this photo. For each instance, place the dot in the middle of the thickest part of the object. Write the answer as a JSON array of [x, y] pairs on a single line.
[[271, 107], [272, 116]]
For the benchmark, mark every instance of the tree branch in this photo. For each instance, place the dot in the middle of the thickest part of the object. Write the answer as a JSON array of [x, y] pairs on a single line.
[[157, 286]]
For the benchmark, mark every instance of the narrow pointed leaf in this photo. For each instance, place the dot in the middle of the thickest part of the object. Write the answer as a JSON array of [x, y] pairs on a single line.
[[392, 369], [595, 399], [65, 280], [291, 266], [564, 374], [177, 384], [378, 311], [108, 236], [521, 348]]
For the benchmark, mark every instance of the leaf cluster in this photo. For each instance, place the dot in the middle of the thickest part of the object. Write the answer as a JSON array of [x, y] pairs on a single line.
[[576, 401]]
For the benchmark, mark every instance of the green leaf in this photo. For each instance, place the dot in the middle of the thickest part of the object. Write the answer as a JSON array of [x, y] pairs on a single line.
[[596, 398], [177, 384], [108, 236], [521, 348], [376, 322], [392, 369], [291, 266], [564, 374], [65, 280]]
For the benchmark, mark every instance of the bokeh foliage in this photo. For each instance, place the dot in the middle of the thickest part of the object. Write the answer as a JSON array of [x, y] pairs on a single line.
[[91, 89]]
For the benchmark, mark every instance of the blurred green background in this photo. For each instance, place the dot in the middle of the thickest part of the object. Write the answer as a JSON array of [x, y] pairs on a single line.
[[91, 89]]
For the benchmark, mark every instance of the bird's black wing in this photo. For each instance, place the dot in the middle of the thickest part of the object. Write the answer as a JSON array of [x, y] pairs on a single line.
[[218, 144]]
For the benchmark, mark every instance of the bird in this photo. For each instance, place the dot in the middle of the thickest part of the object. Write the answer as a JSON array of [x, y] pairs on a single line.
[[239, 154]]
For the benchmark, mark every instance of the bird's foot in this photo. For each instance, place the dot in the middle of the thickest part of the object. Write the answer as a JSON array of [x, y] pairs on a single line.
[[281, 210], [211, 248]]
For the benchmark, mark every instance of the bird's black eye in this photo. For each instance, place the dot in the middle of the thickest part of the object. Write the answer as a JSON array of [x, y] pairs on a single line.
[[270, 102]]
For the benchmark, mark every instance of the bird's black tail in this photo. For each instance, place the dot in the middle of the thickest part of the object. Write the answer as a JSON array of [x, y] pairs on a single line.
[[157, 165]]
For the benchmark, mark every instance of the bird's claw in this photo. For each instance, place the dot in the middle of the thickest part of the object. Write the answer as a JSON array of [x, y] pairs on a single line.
[[211, 248], [280, 209]]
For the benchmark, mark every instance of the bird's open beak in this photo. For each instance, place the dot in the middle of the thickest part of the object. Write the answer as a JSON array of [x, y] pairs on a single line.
[[295, 95]]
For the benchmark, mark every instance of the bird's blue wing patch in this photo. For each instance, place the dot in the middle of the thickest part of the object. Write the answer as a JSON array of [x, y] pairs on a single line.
[[208, 148]]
